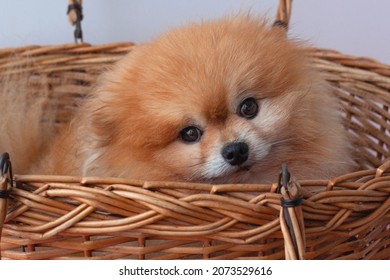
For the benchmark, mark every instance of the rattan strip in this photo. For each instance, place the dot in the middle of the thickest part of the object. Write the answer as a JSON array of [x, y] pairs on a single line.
[[344, 218]]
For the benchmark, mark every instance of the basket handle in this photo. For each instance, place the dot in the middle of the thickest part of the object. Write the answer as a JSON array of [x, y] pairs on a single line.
[[283, 14], [75, 16]]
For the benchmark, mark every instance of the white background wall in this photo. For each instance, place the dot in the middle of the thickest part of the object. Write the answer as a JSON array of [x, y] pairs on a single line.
[[356, 27]]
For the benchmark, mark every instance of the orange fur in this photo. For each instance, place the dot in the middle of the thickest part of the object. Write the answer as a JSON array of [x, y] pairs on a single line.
[[197, 76]]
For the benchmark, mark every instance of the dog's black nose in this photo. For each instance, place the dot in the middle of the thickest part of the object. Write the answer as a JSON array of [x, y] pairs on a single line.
[[235, 153]]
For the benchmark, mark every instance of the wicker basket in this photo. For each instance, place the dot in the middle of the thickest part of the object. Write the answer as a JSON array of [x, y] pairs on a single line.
[[51, 217]]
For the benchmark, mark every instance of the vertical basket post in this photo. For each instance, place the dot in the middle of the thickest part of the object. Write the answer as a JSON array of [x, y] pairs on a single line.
[[5, 184], [291, 216]]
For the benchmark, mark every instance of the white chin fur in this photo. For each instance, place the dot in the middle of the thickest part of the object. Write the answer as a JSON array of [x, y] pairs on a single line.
[[91, 157]]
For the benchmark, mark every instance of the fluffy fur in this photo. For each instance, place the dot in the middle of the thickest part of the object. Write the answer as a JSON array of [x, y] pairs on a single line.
[[197, 76]]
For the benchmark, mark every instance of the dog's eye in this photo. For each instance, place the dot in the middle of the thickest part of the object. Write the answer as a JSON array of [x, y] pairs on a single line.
[[248, 108], [191, 134]]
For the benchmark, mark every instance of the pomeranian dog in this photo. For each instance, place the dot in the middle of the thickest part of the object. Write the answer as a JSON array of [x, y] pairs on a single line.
[[224, 101]]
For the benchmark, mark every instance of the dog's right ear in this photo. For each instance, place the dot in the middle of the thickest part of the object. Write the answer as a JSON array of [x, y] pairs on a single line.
[[113, 110]]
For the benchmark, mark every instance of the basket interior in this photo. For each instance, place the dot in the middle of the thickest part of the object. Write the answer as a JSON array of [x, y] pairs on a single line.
[[64, 218]]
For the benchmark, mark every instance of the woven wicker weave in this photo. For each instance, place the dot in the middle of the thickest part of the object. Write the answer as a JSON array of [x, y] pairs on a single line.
[[347, 217]]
